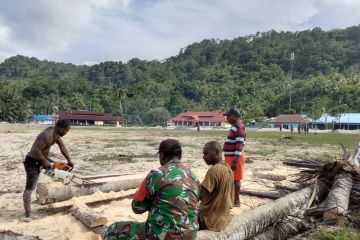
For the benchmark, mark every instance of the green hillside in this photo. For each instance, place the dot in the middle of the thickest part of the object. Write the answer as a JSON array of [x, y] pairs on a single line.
[[252, 72]]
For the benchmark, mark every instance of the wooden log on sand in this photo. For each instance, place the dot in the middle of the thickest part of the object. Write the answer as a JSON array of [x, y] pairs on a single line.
[[337, 201], [57, 192], [96, 198], [301, 164], [88, 216], [269, 176], [257, 220], [269, 195]]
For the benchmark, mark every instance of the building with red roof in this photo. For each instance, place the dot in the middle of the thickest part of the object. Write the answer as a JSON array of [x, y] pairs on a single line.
[[84, 117], [203, 119], [288, 120]]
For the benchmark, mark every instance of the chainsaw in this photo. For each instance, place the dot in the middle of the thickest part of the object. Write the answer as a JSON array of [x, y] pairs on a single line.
[[62, 171]]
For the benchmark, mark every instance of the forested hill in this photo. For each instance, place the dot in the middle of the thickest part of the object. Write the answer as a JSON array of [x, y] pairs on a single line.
[[252, 72]]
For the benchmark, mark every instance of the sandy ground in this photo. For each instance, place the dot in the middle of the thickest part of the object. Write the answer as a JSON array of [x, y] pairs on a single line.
[[98, 151]]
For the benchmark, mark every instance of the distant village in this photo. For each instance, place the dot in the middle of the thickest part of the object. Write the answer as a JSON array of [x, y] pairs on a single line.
[[214, 119]]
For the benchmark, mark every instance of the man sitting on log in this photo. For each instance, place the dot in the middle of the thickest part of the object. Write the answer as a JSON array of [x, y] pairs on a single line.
[[39, 157], [170, 194], [217, 190]]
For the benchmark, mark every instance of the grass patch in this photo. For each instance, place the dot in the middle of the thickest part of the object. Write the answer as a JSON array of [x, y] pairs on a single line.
[[340, 233], [349, 140]]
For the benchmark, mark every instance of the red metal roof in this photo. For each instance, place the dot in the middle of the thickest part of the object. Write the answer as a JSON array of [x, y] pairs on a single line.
[[88, 115], [200, 116], [290, 118]]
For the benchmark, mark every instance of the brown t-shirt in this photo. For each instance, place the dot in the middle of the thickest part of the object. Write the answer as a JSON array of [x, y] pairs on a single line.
[[215, 205]]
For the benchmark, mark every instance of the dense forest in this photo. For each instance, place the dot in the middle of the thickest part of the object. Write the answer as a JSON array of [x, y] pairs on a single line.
[[254, 73]]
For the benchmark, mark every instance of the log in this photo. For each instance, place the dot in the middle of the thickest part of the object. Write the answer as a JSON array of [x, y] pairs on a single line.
[[257, 220], [337, 201], [317, 166], [270, 195], [88, 216], [282, 230], [94, 199], [57, 192], [269, 176]]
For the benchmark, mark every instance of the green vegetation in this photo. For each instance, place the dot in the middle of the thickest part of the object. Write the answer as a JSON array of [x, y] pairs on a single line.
[[340, 233], [349, 140], [251, 72]]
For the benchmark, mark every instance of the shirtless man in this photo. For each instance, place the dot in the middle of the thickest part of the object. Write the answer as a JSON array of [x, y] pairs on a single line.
[[39, 156]]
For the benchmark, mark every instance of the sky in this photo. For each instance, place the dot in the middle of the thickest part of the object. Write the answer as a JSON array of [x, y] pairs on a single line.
[[93, 31]]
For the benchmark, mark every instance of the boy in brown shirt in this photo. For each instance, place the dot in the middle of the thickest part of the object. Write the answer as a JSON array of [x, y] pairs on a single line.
[[217, 190]]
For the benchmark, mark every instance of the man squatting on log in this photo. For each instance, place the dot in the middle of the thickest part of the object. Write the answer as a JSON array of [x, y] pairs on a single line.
[[39, 157], [233, 149]]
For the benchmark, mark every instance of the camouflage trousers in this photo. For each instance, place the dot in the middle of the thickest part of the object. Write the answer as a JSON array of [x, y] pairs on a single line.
[[126, 231]]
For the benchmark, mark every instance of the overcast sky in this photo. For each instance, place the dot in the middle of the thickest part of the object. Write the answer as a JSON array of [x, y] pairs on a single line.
[[91, 31]]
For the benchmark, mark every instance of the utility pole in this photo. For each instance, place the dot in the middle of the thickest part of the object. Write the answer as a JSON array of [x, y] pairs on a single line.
[[292, 57]]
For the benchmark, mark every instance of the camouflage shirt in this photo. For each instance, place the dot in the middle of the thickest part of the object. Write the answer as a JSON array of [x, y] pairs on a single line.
[[171, 195]]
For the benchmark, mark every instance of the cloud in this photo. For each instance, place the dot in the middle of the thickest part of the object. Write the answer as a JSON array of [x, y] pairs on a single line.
[[87, 31]]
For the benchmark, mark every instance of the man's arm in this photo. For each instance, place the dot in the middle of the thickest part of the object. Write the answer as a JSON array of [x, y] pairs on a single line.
[[141, 202], [203, 192], [64, 150]]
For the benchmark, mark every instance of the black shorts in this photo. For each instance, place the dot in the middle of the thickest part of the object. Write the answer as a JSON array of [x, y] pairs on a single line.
[[32, 169]]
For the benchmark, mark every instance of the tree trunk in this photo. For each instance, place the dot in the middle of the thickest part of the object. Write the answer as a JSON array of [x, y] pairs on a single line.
[[259, 219], [337, 201], [270, 195], [269, 176], [56, 192], [89, 200], [317, 166], [88, 216]]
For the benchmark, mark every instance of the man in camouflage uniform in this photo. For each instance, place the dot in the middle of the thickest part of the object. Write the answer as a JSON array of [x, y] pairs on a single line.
[[170, 194]]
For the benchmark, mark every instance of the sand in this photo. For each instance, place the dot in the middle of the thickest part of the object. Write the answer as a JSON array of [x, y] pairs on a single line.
[[101, 151]]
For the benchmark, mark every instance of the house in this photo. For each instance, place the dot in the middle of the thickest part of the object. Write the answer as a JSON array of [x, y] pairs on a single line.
[[83, 117], [348, 121], [44, 119], [288, 120], [203, 119]]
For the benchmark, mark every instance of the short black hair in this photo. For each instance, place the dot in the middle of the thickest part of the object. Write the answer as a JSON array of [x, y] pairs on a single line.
[[170, 148], [214, 145], [62, 124]]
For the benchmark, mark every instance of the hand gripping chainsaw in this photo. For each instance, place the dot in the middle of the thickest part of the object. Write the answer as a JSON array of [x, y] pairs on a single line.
[[62, 171]]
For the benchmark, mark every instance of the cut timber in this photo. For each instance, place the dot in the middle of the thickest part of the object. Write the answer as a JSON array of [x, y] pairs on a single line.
[[337, 201], [293, 163], [269, 176], [96, 198], [88, 216], [259, 219], [57, 192], [270, 195]]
